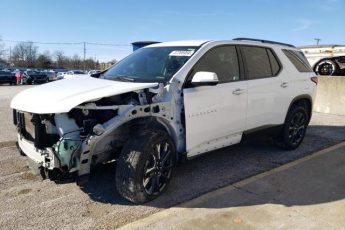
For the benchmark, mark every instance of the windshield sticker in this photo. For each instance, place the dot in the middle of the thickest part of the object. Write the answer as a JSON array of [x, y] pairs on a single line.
[[182, 53]]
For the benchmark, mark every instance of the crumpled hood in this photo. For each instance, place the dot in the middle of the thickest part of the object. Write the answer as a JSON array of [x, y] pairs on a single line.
[[63, 95]]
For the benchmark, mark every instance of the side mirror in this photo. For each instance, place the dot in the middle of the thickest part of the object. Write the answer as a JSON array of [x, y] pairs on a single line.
[[203, 78]]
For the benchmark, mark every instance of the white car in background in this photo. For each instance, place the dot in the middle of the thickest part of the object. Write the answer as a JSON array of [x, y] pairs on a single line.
[[74, 73], [94, 71]]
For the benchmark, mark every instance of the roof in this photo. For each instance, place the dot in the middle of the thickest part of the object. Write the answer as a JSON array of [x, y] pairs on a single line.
[[201, 42], [180, 43]]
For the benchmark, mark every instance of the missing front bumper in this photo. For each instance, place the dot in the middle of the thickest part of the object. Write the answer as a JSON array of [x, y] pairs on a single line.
[[42, 157]]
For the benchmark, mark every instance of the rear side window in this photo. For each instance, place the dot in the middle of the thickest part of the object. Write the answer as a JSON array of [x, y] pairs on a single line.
[[298, 59], [274, 62], [260, 62]]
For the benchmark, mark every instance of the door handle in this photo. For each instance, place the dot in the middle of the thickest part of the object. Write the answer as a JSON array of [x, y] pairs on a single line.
[[238, 91], [284, 85]]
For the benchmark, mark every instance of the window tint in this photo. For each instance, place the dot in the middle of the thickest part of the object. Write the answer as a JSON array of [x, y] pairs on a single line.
[[274, 63], [222, 61], [257, 62], [298, 60]]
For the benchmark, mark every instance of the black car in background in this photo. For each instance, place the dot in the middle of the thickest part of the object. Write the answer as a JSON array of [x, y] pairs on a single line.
[[34, 77], [7, 77]]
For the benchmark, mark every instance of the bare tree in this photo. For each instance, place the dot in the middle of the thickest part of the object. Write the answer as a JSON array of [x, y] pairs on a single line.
[[32, 51], [114, 61], [2, 50], [25, 54], [19, 55], [44, 60], [76, 62], [60, 58]]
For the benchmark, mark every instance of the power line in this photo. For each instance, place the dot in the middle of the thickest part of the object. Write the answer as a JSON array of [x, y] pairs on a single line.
[[67, 43], [105, 44], [82, 45], [45, 43]]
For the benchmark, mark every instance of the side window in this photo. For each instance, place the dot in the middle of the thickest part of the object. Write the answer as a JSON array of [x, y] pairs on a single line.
[[274, 63], [221, 60], [298, 60], [257, 62]]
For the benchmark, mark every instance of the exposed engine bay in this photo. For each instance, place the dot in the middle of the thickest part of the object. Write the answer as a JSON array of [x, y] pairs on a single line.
[[91, 133]]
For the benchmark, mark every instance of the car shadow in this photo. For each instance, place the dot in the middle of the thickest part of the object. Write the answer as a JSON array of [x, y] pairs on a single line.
[[217, 169]]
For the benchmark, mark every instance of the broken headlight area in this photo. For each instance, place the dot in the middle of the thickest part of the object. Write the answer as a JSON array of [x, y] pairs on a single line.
[[56, 140], [89, 114], [53, 141]]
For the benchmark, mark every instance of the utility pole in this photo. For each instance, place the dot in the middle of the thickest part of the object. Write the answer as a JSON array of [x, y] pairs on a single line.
[[84, 55], [317, 40]]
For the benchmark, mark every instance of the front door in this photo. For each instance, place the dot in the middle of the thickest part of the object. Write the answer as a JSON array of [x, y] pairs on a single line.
[[216, 115]]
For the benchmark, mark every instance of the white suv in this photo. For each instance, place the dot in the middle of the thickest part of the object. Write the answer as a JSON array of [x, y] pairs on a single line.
[[163, 103]]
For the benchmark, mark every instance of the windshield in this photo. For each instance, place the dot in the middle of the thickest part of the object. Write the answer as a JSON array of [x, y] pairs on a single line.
[[152, 64]]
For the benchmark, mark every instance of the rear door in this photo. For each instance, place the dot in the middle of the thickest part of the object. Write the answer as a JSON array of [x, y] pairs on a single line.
[[215, 115], [268, 87]]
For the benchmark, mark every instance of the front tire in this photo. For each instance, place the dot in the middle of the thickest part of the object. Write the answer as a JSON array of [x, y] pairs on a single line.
[[144, 168], [294, 128]]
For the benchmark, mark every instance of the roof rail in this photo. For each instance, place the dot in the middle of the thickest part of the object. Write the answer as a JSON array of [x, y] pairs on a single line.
[[263, 41]]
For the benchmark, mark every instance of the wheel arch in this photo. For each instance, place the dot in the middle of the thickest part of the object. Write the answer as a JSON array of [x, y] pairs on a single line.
[[304, 100], [151, 122]]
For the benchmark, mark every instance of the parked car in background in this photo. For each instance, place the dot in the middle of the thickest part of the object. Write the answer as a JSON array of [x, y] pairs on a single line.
[[34, 77], [51, 75], [60, 75], [326, 59], [74, 73], [94, 71], [7, 77]]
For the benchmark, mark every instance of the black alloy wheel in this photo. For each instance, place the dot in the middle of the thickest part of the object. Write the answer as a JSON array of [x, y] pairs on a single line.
[[145, 166], [158, 169], [294, 128], [297, 127]]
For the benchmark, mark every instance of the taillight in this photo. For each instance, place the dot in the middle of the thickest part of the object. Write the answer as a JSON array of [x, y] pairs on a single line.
[[315, 80]]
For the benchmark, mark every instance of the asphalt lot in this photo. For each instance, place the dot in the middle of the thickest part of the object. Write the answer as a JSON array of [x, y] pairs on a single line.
[[290, 196], [28, 202]]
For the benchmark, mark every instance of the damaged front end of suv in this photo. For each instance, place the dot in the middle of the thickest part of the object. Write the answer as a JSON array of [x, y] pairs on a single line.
[[91, 132], [70, 125]]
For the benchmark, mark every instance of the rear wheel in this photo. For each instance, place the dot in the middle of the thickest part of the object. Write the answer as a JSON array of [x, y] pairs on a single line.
[[294, 128], [145, 166]]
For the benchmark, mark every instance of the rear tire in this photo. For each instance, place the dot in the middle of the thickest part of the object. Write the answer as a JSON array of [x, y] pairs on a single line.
[[145, 166], [294, 128]]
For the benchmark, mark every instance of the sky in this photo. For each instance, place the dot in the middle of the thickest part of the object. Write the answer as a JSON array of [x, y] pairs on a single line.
[[121, 22]]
